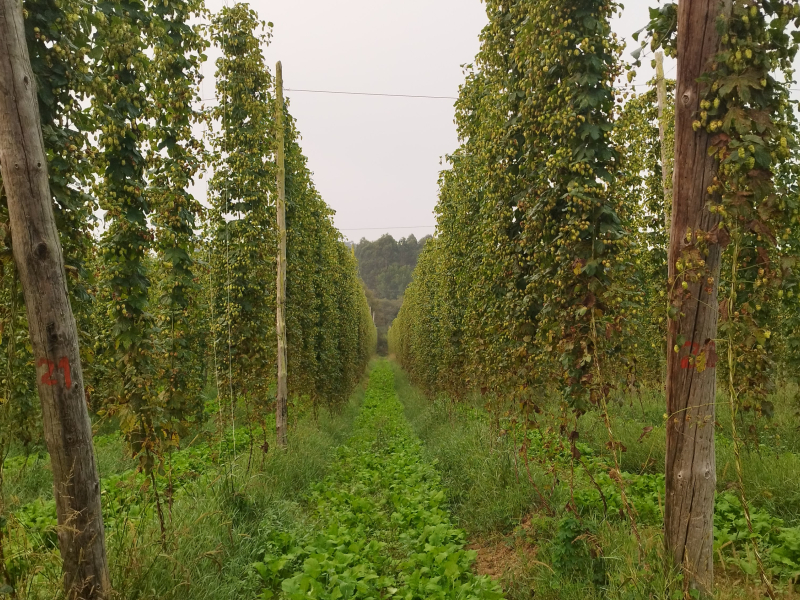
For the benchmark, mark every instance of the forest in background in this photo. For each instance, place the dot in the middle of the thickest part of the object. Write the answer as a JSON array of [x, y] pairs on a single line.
[[386, 266]]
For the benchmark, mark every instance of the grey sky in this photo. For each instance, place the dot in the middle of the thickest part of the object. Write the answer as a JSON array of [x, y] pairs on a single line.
[[376, 160]]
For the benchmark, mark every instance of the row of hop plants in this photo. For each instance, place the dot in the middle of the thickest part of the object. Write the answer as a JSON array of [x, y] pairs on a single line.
[[175, 299], [548, 271], [547, 279], [523, 287]]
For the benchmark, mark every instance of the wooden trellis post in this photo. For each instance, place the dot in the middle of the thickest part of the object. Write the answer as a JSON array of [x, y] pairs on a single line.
[[54, 334], [690, 456], [281, 415]]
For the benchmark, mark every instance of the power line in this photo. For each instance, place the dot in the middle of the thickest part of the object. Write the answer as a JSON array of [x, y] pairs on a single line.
[[374, 94], [373, 228], [345, 93]]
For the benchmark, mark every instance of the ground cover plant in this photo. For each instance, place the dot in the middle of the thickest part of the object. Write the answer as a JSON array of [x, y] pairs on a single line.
[[383, 531], [509, 494], [569, 272], [224, 506]]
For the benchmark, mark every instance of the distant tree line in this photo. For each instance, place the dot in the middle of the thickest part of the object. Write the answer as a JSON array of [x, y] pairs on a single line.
[[385, 267]]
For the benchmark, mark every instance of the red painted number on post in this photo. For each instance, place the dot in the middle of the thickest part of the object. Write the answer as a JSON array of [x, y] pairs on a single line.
[[685, 364], [710, 355], [63, 364], [49, 377]]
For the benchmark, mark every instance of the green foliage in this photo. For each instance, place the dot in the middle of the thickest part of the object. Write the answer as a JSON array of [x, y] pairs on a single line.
[[215, 535], [175, 158], [122, 68], [491, 495], [384, 531], [58, 35], [755, 194], [511, 507], [330, 332], [19, 406], [778, 545], [662, 30], [241, 225], [521, 288], [640, 190], [573, 552]]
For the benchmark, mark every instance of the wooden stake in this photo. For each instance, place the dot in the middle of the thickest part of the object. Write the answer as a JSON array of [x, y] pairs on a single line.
[[666, 168], [690, 459], [54, 335], [281, 415]]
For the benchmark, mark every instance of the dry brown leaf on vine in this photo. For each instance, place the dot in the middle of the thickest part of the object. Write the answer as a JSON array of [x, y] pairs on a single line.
[[763, 256], [762, 229], [719, 235], [616, 446]]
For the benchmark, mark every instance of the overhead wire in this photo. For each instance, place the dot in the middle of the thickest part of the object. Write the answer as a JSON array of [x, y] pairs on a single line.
[[372, 94], [373, 228]]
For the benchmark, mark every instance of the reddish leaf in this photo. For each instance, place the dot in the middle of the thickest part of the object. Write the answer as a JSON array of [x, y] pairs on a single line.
[[721, 139], [711, 354]]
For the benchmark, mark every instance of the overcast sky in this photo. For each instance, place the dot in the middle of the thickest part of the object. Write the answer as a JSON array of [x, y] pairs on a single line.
[[376, 159]]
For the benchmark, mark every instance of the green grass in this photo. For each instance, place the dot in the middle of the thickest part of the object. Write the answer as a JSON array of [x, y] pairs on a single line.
[[383, 530], [27, 477], [216, 535], [770, 457], [367, 488], [544, 550], [217, 527], [488, 490]]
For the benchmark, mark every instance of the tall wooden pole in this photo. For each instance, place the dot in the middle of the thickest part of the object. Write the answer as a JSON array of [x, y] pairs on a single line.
[[690, 456], [54, 335], [666, 170], [281, 415]]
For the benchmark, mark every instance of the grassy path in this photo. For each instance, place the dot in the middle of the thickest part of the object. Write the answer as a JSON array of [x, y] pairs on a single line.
[[384, 531]]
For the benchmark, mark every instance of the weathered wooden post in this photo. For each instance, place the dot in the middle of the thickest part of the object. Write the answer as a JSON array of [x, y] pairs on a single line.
[[690, 457], [281, 415], [54, 335]]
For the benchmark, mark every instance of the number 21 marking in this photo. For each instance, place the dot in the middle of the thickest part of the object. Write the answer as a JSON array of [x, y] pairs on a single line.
[[49, 377]]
